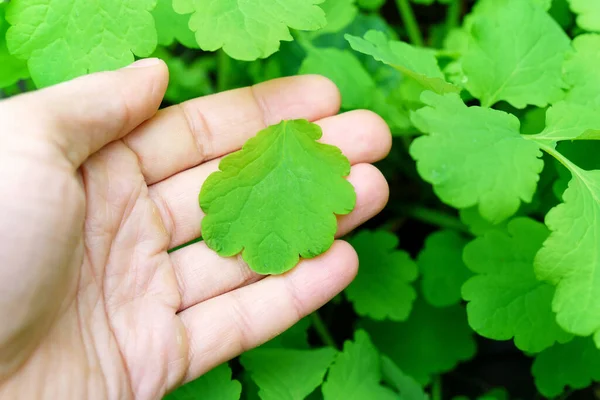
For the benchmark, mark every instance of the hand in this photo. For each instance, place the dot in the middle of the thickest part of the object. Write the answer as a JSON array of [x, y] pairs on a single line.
[[96, 186]]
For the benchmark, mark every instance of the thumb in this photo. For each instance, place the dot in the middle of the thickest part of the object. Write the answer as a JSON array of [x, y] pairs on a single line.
[[83, 115]]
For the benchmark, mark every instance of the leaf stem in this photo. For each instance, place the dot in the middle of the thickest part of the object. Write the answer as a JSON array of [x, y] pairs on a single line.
[[322, 330], [410, 22], [436, 389], [453, 15], [437, 218], [224, 67]]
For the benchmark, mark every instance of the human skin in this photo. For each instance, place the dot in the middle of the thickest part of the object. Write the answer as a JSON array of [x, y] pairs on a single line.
[[96, 186]]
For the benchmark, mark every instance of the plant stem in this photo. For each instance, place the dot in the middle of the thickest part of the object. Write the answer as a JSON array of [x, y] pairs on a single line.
[[437, 218], [410, 22], [453, 15], [224, 70], [322, 330], [436, 389]]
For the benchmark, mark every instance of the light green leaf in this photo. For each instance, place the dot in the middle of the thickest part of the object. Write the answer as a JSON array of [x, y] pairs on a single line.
[[581, 71], [570, 257], [442, 268], [356, 373], [416, 63], [575, 364], [545, 4], [171, 26], [339, 14], [286, 374], [566, 121], [251, 29], [474, 155], [382, 287], [276, 199], [505, 298], [516, 54], [371, 5], [588, 12], [216, 384], [11, 68], [63, 39], [356, 85], [432, 341]]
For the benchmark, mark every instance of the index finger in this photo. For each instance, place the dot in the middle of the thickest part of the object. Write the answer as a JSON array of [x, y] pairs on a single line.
[[185, 135]]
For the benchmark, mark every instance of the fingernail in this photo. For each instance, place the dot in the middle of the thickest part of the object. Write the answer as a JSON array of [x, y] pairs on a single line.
[[144, 62]]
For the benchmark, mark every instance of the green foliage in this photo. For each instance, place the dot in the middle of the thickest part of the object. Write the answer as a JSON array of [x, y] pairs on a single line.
[[443, 270], [581, 72], [216, 384], [356, 373], [505, 298], [516, 54], [171, 26], [475, 155], [588, 12], [63, 39], [298, 184], [382, 287], [287, 374], [252, 29], [430, 342], [11, 68], [575, 364]]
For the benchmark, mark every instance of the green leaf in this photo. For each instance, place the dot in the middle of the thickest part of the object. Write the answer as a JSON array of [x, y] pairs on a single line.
[[416, 63], [432, 341], [570, 257], [409, 388], [356, 85], [371, 5], [581, 71], [215, 384], [575, 364], [275, 199], [475, 155], [12, 69], [251, 29], [171, 26], [442, 268], [356, 373], [566, 121], [516, 54], [287, 374], [63, 39], [382, 289], [505, 298], [588, 12], [339, 14]]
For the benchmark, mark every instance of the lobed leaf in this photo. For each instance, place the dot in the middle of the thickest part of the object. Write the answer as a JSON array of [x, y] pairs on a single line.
[[475, 156], [382, 289], [276, 199], [505, 298], [215, 384]]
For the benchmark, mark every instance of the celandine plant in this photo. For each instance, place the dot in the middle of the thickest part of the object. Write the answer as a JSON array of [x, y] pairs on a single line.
[[486, 263]]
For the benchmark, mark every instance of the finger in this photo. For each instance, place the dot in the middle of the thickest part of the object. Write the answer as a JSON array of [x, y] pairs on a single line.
[[361, 135], [225, 326], [183, 136], [83, 115], [202, 274]]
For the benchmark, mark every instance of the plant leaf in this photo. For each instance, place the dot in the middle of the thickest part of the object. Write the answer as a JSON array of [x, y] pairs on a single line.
[[505, 298], [516, 54], [171, 26], [382, 287], [215, 384], [63, 39], [588, 12], [252, 29], [275, 199], [475, 156]]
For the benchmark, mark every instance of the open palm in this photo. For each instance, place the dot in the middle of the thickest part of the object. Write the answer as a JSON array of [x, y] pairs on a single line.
[[97, 186]]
